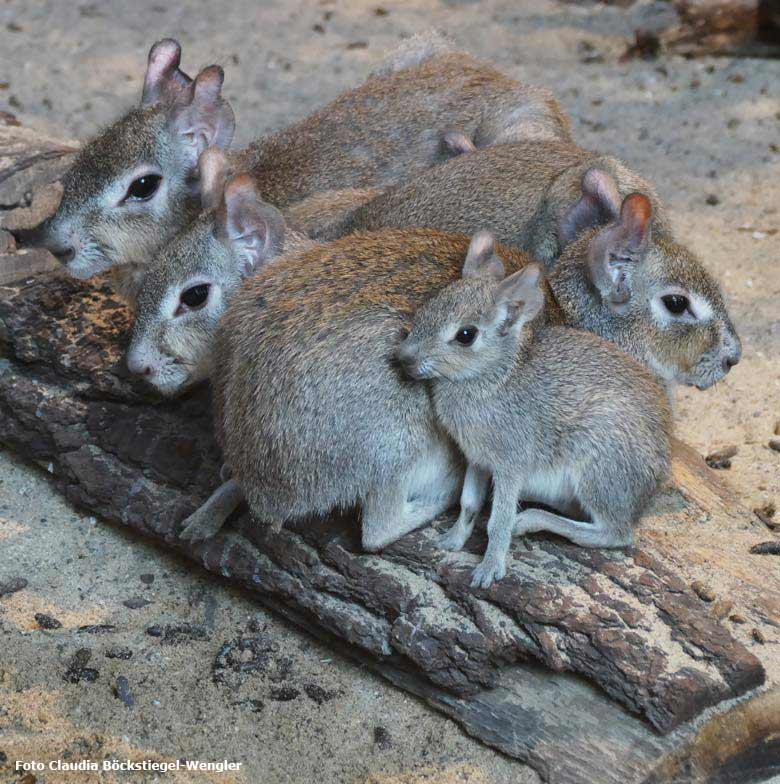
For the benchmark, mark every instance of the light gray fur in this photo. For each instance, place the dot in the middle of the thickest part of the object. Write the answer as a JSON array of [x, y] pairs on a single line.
[[556, 416]]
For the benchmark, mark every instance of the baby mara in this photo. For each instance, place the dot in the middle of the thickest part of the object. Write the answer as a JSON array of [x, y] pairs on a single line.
[[552, 415], [135, 185]]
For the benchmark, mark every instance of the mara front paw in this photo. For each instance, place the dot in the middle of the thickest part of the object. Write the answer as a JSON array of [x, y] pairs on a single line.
[[489, 571]]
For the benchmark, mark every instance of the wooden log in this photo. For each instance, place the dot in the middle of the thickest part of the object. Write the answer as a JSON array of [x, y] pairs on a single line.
[[694, 28], [30, 166], [588, 665]]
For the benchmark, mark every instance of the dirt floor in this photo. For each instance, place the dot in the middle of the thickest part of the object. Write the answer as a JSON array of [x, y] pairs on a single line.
[[706, 131]]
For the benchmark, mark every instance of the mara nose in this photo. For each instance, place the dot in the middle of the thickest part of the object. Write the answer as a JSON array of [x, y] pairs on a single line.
[[734, 355], [138, 365], [64, 254], [409, 359]]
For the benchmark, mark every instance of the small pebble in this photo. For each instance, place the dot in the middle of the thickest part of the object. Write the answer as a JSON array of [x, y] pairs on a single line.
[[77, 668], [766, 514], [703, 591], [721, 609], [284, 694], [12, 586], [758, 636], [766, 548], [382, 738], [721, 458], [712, 200], [317, 694], [47, 621], [119, 652], [737, 618], [122, 691], [774, 444], [136, 603], [147, 579]]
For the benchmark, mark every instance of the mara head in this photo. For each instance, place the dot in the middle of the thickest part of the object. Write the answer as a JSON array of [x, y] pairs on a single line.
[[134, 185], [188, 285], [473, 326], [642, 290]]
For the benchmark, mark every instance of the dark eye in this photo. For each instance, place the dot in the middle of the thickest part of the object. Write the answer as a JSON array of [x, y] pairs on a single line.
[[195, 296], [676, 304], [466, 335], [144, 187]]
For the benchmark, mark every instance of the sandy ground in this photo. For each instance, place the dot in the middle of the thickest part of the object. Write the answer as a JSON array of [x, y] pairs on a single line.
[[705, 131]]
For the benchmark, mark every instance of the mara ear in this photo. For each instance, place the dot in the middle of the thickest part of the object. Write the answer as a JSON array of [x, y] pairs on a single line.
[[599, 204], [481, 258], [207, 120], [519, 298], [616, 251], [164, 82], [456, 143], [253, 229], [212, 173]]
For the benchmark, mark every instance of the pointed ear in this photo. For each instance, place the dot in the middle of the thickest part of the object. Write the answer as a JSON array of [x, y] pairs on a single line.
[[519, 298], [598, 205], [212, 173], [251, 228], [164, 82], [481, 258], [205, 121], [616, 251]]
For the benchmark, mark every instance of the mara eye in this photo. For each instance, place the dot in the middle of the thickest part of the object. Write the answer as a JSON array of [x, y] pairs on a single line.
[[466, 335], [676, 304], [195, 296], [144, 187]]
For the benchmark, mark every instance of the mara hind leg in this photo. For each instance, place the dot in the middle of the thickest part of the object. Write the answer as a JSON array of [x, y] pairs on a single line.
[[604, 531], [472, 499], [428, 488], [207, 520]]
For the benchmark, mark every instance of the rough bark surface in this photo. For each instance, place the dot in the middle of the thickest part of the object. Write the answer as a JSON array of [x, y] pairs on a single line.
[[697, 28]]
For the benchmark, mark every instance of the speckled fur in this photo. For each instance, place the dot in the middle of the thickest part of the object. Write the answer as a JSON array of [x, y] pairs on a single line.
[[690, 353], [310, 408], [554, 415], [371, 136], [517, 191], [521, 192], [392, 126]]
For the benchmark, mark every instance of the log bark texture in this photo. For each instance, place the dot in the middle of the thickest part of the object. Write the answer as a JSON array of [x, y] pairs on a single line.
[[694, 28], [589, 665]]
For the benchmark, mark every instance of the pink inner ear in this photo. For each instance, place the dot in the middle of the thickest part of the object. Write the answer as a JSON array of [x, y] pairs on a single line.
[[164, 81], [635, 217]]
